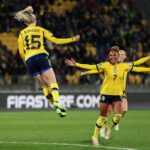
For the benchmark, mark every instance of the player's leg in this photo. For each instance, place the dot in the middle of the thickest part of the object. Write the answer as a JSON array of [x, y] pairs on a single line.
[[109, 111], [45, 89], [48, 76], [124, 106], [118, 114], [47, 92], [33, 67], [50, 79], [100, 122]]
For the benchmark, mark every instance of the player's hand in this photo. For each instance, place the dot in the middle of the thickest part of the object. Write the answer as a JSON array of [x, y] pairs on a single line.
[[70, 62], [83, 73], [77, 37]]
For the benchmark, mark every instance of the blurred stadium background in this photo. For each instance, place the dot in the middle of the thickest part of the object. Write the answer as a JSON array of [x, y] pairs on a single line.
[[101, 24]]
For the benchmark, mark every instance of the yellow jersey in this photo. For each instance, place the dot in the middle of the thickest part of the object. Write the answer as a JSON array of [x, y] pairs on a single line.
[[113, 76], [134, 69], [32, 41]]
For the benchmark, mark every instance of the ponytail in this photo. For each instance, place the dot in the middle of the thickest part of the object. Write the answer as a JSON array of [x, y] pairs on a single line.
[[26, 15]]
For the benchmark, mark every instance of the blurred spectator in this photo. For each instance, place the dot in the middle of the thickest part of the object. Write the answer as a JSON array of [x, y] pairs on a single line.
[[101, 24]]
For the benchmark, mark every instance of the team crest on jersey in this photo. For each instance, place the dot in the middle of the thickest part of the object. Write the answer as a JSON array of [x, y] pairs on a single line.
[[102, 98]]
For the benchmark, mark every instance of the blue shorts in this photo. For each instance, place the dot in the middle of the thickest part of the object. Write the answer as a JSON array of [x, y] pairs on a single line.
[[109, 99], [38, 64]]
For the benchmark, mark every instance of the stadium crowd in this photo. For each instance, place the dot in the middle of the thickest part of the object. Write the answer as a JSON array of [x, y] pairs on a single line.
[[101, 24]]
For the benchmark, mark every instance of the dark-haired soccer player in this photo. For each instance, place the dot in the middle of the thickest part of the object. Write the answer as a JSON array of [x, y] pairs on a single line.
[[124, 102], [111, 91]]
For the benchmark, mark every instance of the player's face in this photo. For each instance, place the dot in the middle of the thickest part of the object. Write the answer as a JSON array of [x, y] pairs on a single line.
[[113, 57], [122, 56]]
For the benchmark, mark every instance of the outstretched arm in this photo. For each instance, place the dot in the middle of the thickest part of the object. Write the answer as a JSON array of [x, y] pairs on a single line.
[[72, 62], [141, 61], [55, 40], [90, 72], [140, 69]]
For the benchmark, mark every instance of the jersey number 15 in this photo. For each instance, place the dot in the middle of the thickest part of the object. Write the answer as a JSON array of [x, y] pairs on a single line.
[[35, 42]]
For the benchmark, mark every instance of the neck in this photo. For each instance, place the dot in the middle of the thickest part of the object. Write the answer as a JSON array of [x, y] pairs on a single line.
[[32, 24], [113, 63]]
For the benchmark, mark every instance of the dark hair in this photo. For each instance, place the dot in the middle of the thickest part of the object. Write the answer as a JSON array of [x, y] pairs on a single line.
[[112, 49], [115, 48]]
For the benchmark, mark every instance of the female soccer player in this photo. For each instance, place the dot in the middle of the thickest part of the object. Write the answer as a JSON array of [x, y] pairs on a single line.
[[31, 48], [111, 91], [124, 102]]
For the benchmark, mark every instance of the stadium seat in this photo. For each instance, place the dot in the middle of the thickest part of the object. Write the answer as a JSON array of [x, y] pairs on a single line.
[[10, 41]]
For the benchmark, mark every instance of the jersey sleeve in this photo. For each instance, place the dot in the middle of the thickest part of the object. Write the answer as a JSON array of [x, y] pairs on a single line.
[[128, 66], [86, 66], [101, 66], [20, 46], [140, 69], [141, 61], [49, 36], [94, 71], [97, 67]]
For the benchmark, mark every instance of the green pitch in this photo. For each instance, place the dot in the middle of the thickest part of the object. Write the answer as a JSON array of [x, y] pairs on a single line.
[[44, 130]]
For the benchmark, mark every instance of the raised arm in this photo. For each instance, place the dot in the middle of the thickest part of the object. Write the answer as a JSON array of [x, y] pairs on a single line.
[[140, 69], [55, 40], [72, 62], [141, 60]]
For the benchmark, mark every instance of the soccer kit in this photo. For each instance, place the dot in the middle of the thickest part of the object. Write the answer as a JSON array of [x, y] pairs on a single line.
[[32, 48]]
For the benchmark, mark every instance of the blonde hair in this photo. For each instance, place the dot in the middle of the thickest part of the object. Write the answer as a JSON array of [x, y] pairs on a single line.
[[26, 15], [121, 50]]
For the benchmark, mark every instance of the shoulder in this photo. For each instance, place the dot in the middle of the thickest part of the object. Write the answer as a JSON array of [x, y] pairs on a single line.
[[43, 29], [102, 64], [127, 63], [21, 32]]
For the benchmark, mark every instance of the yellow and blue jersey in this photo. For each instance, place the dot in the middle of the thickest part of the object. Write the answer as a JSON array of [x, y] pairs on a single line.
[[124, 77], [32, 40], [32, 48], [113, 76]]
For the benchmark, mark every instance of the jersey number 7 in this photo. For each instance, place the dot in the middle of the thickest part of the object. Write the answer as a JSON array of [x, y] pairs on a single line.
[[115, 73]]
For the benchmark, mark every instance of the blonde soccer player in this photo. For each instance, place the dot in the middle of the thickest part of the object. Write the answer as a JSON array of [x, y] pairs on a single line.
[[33, 53], [111, 91]]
